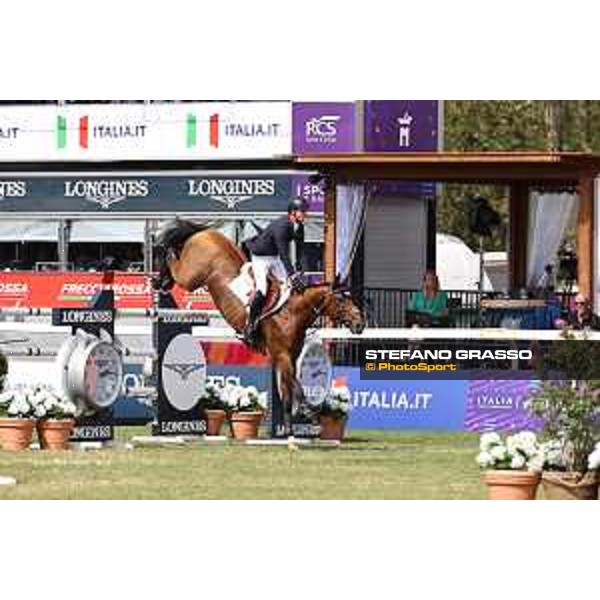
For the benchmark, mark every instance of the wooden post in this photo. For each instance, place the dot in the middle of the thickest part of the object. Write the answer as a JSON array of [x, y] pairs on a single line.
[[585, 236], [518, 225], [329, 229]]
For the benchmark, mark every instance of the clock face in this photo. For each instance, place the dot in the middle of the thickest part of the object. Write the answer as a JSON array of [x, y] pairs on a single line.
[[314, 373], [103, 375]]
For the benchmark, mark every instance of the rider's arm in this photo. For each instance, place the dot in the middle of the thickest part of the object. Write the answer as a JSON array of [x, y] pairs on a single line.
[[282, 243], [300, 249]]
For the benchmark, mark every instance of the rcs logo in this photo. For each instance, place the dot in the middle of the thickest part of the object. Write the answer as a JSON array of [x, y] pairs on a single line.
[[322, 129]]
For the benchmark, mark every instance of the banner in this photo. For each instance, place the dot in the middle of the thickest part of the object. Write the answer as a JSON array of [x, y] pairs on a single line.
[[321, 127], [72, 290], [404, 404], [500, 406], [458, 405], [141, 194], [146, 131], [402, 126]]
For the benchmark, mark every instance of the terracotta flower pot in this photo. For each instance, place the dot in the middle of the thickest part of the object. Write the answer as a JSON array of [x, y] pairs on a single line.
[[54, 434], [16, 434], [332, 429], [214, 420], [511, 485], [570, 486], [244, 425]]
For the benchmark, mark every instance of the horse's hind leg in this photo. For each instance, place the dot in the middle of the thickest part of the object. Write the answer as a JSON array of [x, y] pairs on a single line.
[[285, 384]]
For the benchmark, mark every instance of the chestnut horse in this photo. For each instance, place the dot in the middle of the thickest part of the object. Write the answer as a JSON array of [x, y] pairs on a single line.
[[193, 255]]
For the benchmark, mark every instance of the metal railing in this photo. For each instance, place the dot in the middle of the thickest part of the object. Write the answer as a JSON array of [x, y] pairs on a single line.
[[388, 307]]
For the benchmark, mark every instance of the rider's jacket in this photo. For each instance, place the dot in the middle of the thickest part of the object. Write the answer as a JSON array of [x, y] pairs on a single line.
[[275, 241]]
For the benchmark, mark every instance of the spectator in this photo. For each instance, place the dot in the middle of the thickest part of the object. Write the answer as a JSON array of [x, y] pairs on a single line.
[[429, 305], [582, 317]]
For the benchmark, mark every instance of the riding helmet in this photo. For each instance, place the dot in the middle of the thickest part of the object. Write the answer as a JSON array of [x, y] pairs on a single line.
[[298, 204]]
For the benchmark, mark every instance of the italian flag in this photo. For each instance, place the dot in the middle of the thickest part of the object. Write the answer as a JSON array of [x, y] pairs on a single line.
[[61, 132], [192, 131]]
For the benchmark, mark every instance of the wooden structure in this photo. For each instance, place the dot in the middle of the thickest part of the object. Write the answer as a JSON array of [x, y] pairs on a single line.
[[521, 172]]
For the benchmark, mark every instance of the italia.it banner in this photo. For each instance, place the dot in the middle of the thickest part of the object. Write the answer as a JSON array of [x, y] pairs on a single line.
[[169, 131]]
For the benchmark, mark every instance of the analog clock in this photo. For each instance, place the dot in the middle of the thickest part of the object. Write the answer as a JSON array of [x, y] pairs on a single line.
[[95, 373], [314, 373]]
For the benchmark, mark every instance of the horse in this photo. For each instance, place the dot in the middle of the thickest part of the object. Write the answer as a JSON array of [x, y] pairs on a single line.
[[196, 254]]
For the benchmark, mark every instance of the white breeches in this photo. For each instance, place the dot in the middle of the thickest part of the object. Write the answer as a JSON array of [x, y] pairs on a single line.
[[262, 265]]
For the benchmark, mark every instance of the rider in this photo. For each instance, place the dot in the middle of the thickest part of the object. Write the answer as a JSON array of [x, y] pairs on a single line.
[[270, 252]]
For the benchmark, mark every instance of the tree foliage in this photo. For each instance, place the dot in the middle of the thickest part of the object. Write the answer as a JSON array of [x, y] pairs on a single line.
[[526, 125]]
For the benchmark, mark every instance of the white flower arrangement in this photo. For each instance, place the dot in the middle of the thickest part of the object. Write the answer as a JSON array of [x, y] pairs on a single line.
[[213, 397], [238, 398], [517, 452], [594, 459], [35, 403], [337, 403]]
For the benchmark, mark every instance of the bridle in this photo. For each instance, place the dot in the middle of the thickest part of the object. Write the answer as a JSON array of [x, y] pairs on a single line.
[[318, 311]]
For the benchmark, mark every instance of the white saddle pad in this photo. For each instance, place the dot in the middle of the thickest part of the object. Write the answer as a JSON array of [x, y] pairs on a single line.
[[243, 287]]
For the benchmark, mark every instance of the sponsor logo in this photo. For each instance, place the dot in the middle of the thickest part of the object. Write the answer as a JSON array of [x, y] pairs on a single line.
[[496, 402], [106, 192], [9, 133], [13, 189], [97, 131], [14, 289], [404, 132], [183, 372], [231, 192], [218, 129], [322, 130], [120, 289]]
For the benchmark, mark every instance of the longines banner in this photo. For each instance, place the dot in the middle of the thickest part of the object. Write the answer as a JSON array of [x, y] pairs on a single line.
[[164, 131], [135, 193]]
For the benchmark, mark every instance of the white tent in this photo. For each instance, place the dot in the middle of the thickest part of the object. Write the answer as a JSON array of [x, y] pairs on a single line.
[[458, 265]]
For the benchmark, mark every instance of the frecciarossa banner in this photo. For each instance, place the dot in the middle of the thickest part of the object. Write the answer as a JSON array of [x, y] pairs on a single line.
[[161, 131], [77, 290], [142, 193]]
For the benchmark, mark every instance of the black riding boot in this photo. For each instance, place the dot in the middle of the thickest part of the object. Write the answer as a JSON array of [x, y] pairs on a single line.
[[257, 305]]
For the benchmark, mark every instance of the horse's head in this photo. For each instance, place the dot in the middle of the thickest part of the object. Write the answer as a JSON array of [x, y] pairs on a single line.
[[342, 310]]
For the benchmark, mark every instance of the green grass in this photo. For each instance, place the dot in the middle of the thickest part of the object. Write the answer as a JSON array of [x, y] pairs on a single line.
[[378, 465]]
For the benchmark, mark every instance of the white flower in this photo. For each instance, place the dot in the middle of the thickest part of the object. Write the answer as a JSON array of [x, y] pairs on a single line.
[[594, 459], [553, 454], [263, 400], [498, 452], [524, 442], [488, 440], [536, 463], [252, 392], [517, 462], [485, 459], [40, 411]]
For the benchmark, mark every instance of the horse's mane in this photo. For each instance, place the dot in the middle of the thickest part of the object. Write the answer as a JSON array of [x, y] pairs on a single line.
[[176, 233]]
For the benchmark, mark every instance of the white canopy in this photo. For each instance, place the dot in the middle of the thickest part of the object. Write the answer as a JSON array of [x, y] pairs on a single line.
[[28, 231], [458, 265], [107, 231]]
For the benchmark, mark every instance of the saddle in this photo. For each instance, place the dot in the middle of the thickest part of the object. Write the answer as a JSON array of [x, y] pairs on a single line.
[[244, 287]]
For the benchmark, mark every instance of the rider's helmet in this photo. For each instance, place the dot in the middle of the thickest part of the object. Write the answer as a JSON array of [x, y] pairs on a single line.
[[297, 204]]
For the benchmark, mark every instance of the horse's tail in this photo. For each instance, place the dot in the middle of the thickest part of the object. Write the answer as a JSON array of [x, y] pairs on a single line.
[[170, 241], [173, 236]]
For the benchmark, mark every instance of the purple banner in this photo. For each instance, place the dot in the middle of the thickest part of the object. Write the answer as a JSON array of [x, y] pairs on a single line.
[[496, 405], [313, 193], [323, 127], [402, 126]]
